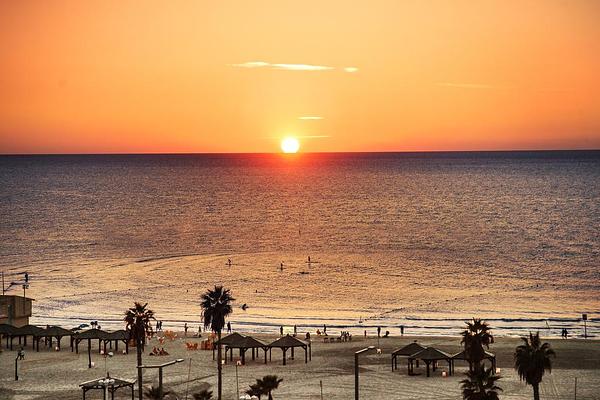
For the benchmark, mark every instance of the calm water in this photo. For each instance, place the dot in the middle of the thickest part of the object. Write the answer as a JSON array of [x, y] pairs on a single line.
[[421, 240]]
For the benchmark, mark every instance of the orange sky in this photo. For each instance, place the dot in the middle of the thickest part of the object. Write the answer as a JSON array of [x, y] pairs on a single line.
[[237, 76]]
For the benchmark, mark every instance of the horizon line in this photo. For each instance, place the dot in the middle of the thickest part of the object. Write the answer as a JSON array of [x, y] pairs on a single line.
[[300, 153]]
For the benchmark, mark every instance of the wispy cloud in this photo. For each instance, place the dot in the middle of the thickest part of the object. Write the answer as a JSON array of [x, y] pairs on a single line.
[[291, 67], [466, 85], [310, 117], [288, 67], [301, 67]]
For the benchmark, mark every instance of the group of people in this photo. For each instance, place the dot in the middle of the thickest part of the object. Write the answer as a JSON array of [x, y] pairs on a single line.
[[159, 352], [564, 333], [281, 330]]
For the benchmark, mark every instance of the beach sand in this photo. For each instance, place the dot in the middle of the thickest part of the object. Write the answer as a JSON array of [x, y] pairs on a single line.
[[56, 375]]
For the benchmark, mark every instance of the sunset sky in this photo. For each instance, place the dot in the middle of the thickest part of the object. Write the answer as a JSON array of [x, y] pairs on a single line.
[[238, 76]]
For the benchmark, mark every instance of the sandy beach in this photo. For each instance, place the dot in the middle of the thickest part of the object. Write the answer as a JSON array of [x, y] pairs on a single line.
[[56, 375]]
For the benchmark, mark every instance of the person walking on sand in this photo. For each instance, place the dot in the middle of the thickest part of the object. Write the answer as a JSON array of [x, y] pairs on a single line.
[[281, 330], [228, 327], [401, 330], [295, 330], [185, 329], [324, 326], [378, 331]]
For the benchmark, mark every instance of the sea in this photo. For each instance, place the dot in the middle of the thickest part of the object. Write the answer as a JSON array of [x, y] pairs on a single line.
[[422, 241]]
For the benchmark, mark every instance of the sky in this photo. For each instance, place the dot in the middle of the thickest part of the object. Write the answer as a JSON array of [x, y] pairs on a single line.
[[238, 76]]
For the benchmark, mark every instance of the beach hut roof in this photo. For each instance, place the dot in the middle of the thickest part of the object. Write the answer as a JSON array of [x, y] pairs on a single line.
[[57, 331], [233, 340], [6, 329], [92, 334], [250, 342], [30, 330], [462, 356], [118, 335], [287, 341], [431, 353], [409, 349], [96, 383]]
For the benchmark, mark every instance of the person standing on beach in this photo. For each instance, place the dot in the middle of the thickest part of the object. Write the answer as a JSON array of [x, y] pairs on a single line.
[[401, 330], [281, 330], [281, 266], [185, 329], [295, 330], [228, 327], [324, 326], [378, 331]]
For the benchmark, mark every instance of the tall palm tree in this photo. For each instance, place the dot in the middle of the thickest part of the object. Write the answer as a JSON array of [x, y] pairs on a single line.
[[216, 306], [269, 383], [475, 337], [138, 320], [532, 359], [204, 394], [480, 384], [255, 390]]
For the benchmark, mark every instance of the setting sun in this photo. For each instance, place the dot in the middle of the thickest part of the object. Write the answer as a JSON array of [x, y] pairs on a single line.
[[290, 145]]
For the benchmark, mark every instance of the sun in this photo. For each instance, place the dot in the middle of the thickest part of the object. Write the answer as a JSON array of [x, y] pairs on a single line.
[[290, 145]]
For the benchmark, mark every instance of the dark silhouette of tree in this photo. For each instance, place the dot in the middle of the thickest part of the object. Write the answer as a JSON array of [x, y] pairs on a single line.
[[138, 320], [480, 384], [216, 306], [475, 337], [153, 393], [269, 383], [204, 394], [532, 359]]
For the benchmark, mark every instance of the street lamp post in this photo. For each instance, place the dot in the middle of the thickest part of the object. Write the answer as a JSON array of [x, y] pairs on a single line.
[[356, 368], [237, 381], [160, 372]]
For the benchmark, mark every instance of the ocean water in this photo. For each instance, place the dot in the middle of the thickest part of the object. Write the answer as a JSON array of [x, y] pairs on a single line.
[[423, 240]]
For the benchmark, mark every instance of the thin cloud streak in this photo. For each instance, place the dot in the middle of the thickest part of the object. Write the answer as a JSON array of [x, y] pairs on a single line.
[[310, 117], [290, 67]]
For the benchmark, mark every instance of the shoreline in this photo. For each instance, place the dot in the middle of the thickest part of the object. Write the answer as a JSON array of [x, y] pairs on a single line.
[[49, 375]]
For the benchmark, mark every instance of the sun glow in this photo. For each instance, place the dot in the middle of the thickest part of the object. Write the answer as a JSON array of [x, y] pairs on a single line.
[[290, 145]]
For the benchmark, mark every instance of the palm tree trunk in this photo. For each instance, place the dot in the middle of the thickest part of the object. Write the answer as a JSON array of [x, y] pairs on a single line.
[[219, 367], [139, 370], [536, 391], [270, 396]]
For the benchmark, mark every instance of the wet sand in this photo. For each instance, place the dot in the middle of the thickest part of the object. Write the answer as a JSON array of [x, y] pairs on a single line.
[[56, 375]]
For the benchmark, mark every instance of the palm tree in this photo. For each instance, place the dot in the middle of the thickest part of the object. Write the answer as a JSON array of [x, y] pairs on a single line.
[[138, 320], [255, 390], [216, 306], [480, 384], [153, 393], [532, 359], [474, 338], [269, 383], [204, 394]]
